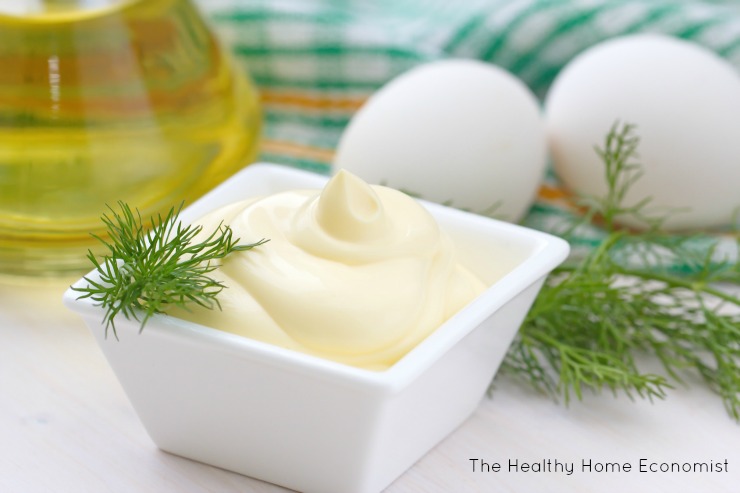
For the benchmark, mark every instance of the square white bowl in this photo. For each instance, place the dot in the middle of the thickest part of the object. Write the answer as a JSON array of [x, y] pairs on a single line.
[[307, 423]]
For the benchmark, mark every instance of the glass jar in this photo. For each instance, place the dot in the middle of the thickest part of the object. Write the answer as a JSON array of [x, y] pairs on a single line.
[[104, 101]]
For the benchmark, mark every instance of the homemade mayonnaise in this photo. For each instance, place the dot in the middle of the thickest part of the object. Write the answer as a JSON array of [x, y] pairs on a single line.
[[355, 273]]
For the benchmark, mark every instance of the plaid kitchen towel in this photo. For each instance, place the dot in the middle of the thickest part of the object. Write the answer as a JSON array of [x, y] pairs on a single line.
[[316, 62]]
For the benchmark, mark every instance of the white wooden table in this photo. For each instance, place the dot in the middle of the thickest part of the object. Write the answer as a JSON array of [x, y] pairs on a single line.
[[66, 426]]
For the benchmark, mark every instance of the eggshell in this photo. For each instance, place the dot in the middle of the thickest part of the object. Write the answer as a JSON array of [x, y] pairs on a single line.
[[685, 103], [462, 132]]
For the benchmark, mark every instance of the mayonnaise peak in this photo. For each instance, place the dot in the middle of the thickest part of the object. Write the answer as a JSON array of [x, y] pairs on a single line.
[[355, 273]]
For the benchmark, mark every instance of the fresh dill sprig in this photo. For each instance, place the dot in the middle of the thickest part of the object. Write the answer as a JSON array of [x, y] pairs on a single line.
[[147, 270], [593, 317]]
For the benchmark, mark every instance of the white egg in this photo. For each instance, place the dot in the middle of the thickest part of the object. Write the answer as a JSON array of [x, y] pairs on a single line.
[[685, 103], [462, 132]]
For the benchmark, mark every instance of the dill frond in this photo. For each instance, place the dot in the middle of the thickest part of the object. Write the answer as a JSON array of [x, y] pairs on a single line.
[[593, 317], [145, 271]]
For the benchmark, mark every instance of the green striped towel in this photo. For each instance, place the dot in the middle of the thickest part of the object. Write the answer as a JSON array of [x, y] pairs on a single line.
[[316, 61]]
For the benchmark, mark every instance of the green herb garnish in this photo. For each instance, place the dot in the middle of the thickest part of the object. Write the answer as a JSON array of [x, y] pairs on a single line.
[[145, 271], [594, 316]]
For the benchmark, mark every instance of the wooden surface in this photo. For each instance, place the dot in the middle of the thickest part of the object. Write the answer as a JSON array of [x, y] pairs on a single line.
[[66, 426]]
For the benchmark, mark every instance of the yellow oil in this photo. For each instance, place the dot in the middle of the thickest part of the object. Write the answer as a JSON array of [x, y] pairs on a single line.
[[132, 101]]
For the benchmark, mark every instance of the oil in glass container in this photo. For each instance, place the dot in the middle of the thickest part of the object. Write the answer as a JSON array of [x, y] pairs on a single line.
[[108, 100]]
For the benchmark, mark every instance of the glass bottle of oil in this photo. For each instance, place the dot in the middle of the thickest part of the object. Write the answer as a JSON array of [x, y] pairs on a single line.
[[108, 100]]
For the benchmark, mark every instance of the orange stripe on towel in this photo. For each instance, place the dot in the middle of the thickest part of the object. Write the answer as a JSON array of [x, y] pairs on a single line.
[[297, 150], [548, 192], [313, 101]]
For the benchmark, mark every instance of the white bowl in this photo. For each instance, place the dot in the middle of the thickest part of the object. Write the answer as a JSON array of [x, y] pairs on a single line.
[[315, 425]]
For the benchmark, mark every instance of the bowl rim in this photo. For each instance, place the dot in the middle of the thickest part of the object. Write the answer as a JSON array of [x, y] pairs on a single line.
[[549, 251]]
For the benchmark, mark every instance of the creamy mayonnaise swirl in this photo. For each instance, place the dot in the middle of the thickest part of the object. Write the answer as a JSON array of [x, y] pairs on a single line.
[[355, 273]]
